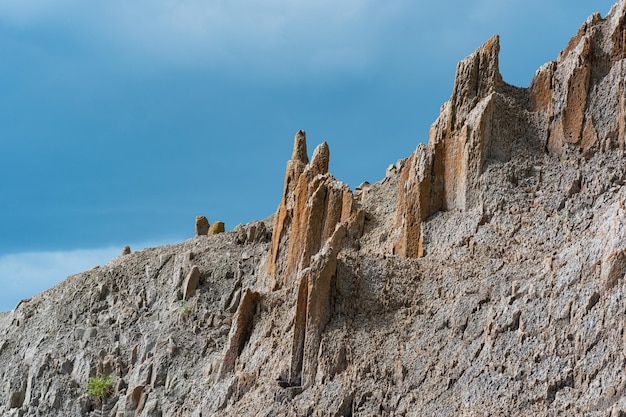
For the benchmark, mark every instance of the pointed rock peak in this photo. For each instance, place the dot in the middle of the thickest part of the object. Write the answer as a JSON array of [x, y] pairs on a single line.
[[490, 50], [321, 158], [299, 148], [617, 19], [617, 10], [492, 45], [477, 75]]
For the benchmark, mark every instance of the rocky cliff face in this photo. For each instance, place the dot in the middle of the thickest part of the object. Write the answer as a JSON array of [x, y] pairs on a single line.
[[485, 275], [575, 106]]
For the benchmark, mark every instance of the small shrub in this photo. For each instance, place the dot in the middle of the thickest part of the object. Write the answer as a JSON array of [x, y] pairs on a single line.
[[100, 387], [184, 309]]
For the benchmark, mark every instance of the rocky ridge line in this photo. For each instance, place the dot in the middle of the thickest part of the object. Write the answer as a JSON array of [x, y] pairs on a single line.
[[485, 275], [574, 105]]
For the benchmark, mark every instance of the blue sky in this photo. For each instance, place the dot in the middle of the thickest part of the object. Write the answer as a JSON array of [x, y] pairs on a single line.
[[121, 120]]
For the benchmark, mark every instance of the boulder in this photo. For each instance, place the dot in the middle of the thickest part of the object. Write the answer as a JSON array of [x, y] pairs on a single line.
[[218, 227], [202, 226], [191, 282]]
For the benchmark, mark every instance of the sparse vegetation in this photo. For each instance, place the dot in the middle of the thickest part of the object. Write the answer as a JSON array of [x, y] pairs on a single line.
[[100, 387], [184, 309]]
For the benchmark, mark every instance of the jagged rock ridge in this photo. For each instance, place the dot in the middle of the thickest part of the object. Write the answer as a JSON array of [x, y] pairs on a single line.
[[574, 104], [483, 276]]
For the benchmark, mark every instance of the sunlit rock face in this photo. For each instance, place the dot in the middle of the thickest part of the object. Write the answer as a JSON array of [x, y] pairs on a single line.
[[575, 106]]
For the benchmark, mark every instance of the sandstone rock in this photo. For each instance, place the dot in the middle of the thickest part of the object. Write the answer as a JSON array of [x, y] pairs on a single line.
[[577, 100], [413, 206], [313, 310], [317, 204], [614, 268], [151, 409], [283, 218], [234, 301], [16, 391], [133, 397], [258, 233], [202, 226], [581, 94], [218, 227], [191, 282], [181, 263], [443, 175], [160, 370]]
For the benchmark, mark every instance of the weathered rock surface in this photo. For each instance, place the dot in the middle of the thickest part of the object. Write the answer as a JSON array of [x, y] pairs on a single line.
[[484, 275], [581, 95], [282, 221], [217, 227], [575, 105], [255, 232], [240, 331], [202, 226], [191, 283]]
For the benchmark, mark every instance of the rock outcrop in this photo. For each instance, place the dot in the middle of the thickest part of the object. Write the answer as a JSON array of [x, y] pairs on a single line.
[[240, 331], [313, 218], [202, 226], [581, 95], [255, 232], [217, 227], [284, 214], [191, 283], [578, 100], [314, 203], [313, 308], [443, 174]]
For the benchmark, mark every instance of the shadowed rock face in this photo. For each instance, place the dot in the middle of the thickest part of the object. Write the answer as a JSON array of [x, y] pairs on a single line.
[[484, 275], [240, 331]]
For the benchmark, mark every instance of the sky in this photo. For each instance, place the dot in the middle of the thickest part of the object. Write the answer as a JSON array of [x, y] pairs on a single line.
[[121, 120]]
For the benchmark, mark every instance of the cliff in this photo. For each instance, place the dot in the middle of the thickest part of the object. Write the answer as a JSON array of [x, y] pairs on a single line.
[[484, 275], [574, 107]]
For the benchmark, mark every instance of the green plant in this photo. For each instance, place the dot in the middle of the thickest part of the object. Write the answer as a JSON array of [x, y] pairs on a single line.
[[100, 387], [184, 309]]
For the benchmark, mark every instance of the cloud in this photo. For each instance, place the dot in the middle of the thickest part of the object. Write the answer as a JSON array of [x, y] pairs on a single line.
[[23, 275], [293, 34]]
